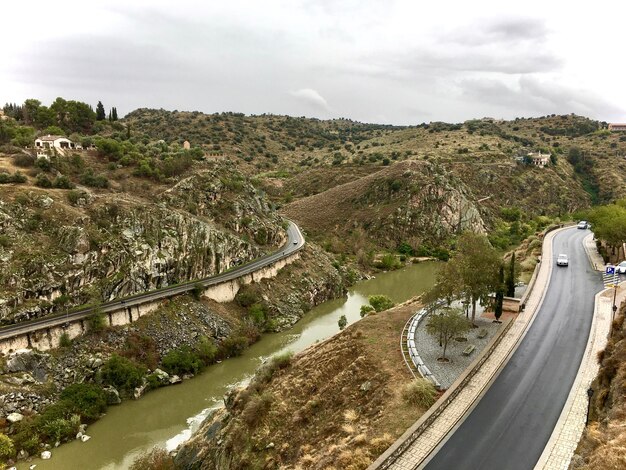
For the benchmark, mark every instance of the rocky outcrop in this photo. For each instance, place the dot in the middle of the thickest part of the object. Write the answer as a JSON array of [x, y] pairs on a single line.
[[412, 200], [54, 256]]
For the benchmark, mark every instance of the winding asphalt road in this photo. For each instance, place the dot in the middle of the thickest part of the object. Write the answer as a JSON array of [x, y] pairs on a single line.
[[295, 242], [513, 421]]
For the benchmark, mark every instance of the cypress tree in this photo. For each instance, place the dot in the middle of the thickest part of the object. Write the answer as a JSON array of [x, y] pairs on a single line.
[[100, 114], [114, 114], [499, 294]]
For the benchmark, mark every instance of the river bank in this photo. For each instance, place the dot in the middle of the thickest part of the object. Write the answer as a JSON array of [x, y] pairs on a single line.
[[168, 414]]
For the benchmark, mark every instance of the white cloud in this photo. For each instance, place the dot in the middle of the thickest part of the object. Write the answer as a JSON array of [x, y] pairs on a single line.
[[407, 61], [312, 98]]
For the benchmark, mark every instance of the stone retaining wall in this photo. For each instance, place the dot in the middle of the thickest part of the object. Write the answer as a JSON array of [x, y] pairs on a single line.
[[50, 337]]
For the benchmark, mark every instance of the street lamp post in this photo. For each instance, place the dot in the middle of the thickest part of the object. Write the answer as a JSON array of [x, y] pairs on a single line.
[[614, 306], [589, 394]]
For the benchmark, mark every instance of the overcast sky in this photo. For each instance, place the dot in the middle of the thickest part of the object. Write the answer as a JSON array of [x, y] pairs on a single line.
[[391, 61]]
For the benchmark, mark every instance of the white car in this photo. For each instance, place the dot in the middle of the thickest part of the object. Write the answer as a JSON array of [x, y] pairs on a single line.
[[621, 268], [562, 260], [583, 225]]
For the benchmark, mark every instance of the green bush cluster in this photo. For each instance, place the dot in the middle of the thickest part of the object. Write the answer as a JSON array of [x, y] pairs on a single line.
[[389, 262], [380, 302], [182, 360], [424, 250], [60, 422], [60, 182], [123, 374], [246, 297], [89, 178], [17, 177]]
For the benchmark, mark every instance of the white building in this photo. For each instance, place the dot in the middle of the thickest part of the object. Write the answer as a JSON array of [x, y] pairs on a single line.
[[539, 159], [54, 141]]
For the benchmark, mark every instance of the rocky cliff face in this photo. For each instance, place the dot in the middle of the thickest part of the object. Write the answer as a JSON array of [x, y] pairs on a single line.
[[409, 200], [116, 245]]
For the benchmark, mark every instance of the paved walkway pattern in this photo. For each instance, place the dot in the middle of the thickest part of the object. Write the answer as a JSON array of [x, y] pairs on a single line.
[[568, 430], [428, 441], [429, 350]]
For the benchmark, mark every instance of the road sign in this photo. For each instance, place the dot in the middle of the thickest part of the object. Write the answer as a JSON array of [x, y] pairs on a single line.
[[610, 270]]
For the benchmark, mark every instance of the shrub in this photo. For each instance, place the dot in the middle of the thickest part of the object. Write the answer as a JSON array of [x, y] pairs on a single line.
[[5, 241], [64, 340], [60, 429], [26, 436], [174, 166], [282, 361], [197, 291], [232, 346], [247, 297], [86, 400], [23, 160], [258, 313], [42, 181], [57, 422], [380, 302], [63, 182], [96, 322], [342, 322], [43, 163], [366, 309], [420, 392], [7, 449], [17, 177], [142, 349], [74, 196], [181, 361], [122, 373], [389, 262], [156, 459], [265, 373], [256, 408], [206, 350], [95, 181]]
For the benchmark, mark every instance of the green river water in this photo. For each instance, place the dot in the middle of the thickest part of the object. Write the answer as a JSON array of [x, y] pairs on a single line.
[[167, 416]]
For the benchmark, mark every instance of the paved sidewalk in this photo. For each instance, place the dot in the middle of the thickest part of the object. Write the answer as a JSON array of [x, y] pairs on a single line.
[[435, 434], [571, 424]]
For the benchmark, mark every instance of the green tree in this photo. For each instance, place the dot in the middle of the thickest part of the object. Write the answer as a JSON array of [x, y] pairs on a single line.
[[100, 113], [511, 277], [380, 302], [23, 136], [30, 110], [343, 322], [366, 310], [471, 273], [446, 325], [609, 223], [73, 116], [114, 114]]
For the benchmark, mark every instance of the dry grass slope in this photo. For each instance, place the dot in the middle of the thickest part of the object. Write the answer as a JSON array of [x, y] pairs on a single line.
[[337, 406]]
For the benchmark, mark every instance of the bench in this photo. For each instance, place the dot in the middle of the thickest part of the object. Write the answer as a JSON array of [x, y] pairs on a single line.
[[469, 350], [482, 333]]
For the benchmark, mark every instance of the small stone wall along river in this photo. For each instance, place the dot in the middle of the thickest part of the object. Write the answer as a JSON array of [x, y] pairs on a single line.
[[166, 416]]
